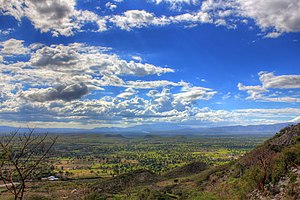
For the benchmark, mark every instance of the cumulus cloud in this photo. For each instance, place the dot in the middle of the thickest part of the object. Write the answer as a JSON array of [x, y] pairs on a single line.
[[273, 88], [273, 17], [55, 81], [282, 16], [49, 68], [78, 58], [137, 19], [153, 84], [176, 4], [198, 17], [270, 80], [61, 17], [255, 92], [128, 92], [141, 18], [14, 8], [52, 15], [13, 47], [58, 17], [62, 92], [191, 94]]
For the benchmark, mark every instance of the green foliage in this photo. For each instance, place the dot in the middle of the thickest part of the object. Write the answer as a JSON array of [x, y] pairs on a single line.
[[95, 196], [39, 198], [278, 167], [203, 196], [148, 194], [114, 155], [144, 193], [253, 175], [292, 154], [293, 178]]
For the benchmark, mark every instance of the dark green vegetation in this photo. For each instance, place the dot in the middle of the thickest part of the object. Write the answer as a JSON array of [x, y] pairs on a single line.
[[93, 167], [76, 156]]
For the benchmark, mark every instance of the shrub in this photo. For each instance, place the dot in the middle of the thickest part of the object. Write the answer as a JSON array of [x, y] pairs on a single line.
[[95, 196], [278, 168], [39, 198]]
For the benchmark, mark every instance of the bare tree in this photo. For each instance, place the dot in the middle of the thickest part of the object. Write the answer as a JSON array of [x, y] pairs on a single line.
[[20, 156]]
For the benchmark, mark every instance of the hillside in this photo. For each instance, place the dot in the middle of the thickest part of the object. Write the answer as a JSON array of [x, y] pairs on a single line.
[[270, 171], [160, 129]]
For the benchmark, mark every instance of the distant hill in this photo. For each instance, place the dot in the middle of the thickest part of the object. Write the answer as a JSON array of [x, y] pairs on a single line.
[[160, 129], [250, 128]]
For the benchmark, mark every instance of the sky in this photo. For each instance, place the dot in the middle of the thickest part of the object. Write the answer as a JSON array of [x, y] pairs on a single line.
[[122, 63]]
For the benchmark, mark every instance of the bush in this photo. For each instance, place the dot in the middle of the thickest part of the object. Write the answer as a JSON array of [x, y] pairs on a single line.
[[204, 196], [292, 155], [39, 198], [253, 175], [95, 196], [278, 168]]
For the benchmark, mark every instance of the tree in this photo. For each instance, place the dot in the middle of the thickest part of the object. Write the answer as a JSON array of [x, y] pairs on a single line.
[[262, 157], [20, 156]]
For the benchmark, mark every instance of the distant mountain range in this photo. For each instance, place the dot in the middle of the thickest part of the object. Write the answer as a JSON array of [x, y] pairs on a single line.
[[163, 129]]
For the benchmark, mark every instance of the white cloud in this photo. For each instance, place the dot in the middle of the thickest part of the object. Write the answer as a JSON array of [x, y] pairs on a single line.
[[255, 92], [83, 16], [247, 116], [282, 16], [61, 92], [176, 4], [49, 15], [56, 16], [110, 6], [63, 83], [152, 84], [226, 96], [191, 94], [137, 58], [13, 7], [273, 35], [6, 31], [273, 17], [200, 17], [271, 82], [141, 18], [127, 93], [13, 47], [296, 119], [137, 19], [78, 58], [68, 72]]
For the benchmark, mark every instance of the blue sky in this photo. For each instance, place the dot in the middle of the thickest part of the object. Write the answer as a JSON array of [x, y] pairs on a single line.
[[121, 63]]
